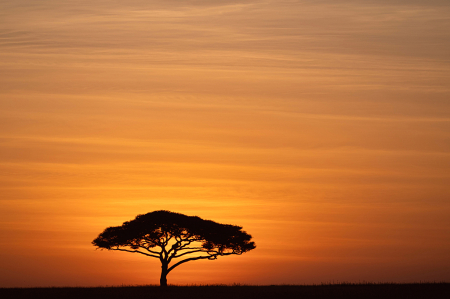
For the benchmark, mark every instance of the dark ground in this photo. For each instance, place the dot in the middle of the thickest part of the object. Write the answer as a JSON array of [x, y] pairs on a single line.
[[347, 291]]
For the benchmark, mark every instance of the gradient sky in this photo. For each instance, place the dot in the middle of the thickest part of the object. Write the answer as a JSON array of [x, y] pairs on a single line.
[[321, 127]]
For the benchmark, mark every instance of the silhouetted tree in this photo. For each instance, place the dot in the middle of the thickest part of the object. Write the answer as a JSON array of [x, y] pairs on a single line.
[[167, 235]]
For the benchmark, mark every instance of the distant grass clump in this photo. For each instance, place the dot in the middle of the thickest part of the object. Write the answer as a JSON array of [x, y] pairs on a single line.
[[237, 291]]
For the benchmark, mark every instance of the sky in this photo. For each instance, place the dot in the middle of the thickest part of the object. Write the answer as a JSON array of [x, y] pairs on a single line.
[[321, 127]]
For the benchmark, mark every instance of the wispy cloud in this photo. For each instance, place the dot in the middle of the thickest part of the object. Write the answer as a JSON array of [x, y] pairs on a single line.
[[325, 123]]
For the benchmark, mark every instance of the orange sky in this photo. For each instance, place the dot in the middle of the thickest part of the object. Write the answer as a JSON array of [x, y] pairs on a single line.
[[322, 128]]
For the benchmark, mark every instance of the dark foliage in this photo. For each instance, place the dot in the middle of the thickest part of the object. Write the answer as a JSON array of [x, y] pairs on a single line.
[[347, 291], [166, 235]]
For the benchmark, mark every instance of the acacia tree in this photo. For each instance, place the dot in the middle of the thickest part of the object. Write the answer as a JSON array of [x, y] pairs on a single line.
[[170, 236]]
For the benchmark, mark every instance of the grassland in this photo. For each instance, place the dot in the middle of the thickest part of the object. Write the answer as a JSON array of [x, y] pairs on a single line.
[[366, 291]]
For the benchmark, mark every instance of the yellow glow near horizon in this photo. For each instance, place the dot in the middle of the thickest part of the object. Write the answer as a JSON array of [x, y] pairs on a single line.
[[321, 128]]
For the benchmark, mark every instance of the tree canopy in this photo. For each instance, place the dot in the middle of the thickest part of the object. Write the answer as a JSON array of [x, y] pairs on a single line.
[[167, 236]]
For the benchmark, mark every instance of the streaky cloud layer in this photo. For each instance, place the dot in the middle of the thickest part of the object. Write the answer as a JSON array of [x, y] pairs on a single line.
[[321, 127]]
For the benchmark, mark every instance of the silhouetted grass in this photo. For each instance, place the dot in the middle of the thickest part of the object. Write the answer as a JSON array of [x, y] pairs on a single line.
[[343, 290]]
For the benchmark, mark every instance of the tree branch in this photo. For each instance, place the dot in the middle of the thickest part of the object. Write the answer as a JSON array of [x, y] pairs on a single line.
[[190, 248], [134, 251], [188, 252], [213, 256], [154, 252], [187, 260], [184, 245], [149, 250], [168, 238]]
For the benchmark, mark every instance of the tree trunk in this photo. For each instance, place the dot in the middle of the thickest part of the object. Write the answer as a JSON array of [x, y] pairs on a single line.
[[163, 279]]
